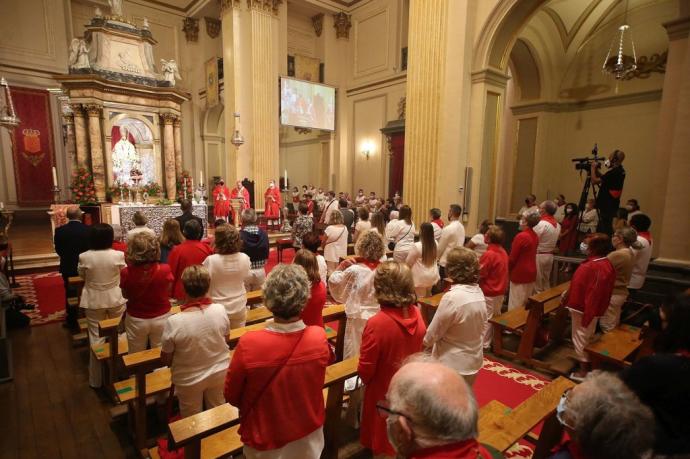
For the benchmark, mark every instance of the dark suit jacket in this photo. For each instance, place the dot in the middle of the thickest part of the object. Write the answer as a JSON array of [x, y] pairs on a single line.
[[184, 218], [71, 240]]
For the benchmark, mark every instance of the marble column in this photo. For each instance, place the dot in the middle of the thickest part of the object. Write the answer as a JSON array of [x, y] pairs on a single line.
[[177, 134], [230, 15], [70, 143], [81, 141], [169, 154], [425, 78], [96, 144]]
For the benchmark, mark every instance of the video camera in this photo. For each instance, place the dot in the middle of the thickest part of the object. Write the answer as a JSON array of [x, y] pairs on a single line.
[[583, 164]]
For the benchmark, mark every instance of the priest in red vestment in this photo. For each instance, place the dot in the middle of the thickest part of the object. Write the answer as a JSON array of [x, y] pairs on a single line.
[[272, 205], [240, 192], [221, 201]]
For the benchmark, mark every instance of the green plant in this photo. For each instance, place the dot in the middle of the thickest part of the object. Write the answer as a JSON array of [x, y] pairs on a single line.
[[165, 202], [153, 189]]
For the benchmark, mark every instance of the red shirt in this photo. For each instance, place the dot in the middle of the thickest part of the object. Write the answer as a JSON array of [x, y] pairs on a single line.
[[120, 246], [523, 257], [439, 222], [591, 287], [312, 314], [310, 207], [466, 449], [279, 402], [388, 338], [147, 289], [188, 253], [493, 274]]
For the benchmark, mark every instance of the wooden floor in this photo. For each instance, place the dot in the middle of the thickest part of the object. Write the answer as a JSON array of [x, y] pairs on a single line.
[[30, 234], [48, 410]]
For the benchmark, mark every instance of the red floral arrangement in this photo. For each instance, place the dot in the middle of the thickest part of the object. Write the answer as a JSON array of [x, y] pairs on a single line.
[[83, 191], [184, 179], [152, 188]]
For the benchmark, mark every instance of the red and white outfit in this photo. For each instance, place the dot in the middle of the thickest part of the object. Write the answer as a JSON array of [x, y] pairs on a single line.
[[240, 192], [221, 201], [642, 257], [276, 378], [493, 280], [523, 267], [587, 299], [466, 449], [455, 332], [547, 230], [389, 337], [272, 204], [147, 289], [438, 225], [188, 253], [196, 337]]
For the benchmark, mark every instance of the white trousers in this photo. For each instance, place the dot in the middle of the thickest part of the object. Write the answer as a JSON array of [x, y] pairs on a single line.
[[238, 319], [93, 316], [143, 331], [544, 265], [493, 308], [255, 280], [208, 392], [612, 316], [581, 335], [307, 447], [519, 294], [400, 255]]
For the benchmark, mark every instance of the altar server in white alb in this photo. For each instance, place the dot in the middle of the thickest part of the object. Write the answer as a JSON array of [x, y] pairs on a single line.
[[547, 231]]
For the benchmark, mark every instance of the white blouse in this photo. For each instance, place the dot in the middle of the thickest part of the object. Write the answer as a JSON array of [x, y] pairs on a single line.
[[455, 332], [402, 234], [228, 273], [423, 276], [336, 243], [100, 270]]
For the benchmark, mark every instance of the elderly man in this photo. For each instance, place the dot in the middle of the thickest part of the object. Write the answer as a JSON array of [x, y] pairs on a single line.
[[71, 240], [255, 245], [547, 231], [431, 412]]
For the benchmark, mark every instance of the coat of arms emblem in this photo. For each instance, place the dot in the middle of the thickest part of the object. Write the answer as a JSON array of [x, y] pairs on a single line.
[[32, 146]]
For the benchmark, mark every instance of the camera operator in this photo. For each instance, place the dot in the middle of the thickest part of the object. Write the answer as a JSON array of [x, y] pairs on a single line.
[[610, 189]]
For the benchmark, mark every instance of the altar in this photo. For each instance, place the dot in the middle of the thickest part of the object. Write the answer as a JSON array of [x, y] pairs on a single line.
[[156, 215]]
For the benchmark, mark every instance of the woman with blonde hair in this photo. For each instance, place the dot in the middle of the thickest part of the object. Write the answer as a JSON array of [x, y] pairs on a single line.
[[455, 333], [422, 260], [229, 268], [312, 314], [377, 223], [352, 283], [335, 243], [146, 284], [169, 238], [393, 334]]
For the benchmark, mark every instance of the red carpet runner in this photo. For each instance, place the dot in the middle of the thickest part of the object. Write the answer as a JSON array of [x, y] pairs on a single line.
[[47, 293]]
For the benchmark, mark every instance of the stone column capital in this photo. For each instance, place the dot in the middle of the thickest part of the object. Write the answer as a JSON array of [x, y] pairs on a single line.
[[228, 5], [190, 27], [678, 28], [93, 109], [342, 23], [168, 118], [212, 26], [317, 23], [265, 5], [68, 118], [177, 122], [77, 109]]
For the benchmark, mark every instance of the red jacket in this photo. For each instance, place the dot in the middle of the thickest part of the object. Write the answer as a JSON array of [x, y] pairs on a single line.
[[591, 287], [467, 449], [493, 274], [147, 289], [188, 253], [278, 402], [388, 338], [523, 257], [312, 314], [120, 246]]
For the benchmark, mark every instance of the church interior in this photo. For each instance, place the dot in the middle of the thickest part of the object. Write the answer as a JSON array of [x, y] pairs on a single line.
[[547, 139]]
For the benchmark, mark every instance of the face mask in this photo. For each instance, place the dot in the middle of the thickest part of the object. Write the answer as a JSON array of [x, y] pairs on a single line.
[[271, 185], [629, 208], [583, 247], [607, 163], [560, 410]]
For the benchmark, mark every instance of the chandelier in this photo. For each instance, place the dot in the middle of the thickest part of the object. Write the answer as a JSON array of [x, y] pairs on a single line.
[[623, 62], [237, 138], [8, 117]]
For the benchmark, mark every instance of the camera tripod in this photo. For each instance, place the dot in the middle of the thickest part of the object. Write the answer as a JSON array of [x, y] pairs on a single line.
[[588, 185]]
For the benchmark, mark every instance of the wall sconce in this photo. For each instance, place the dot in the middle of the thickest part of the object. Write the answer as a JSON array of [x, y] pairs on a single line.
[[367, 149]]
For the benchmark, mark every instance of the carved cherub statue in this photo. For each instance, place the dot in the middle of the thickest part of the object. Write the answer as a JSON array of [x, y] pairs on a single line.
[[170, 72], [115, 7], [78, 54]]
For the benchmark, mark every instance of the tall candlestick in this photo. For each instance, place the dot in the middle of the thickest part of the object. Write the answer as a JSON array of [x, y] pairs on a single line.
[[192, 185], [201, 177], [285, 185], [54, 176]]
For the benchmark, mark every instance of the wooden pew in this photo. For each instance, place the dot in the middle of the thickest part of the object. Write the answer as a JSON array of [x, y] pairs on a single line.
[[500, 427], [526, 321], [214, 433], [621, 346], [428, 306]]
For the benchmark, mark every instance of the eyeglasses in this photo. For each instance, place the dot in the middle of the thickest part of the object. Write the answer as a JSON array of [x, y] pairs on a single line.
[[384, 410], [561, 409]]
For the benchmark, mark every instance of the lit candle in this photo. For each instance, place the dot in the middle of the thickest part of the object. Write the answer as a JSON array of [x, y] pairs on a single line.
[[285, 184], [54, 176], [201, 177], [192, 184]]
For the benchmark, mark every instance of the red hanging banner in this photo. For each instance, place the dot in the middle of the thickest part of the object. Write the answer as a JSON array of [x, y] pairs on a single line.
[[32, 147]]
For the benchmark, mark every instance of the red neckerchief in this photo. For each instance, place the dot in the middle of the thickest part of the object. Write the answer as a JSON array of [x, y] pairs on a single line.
[[550, 219], [439, 222], [201, 304], [463, 448], [368, 263], [683, 353], [647, 235]]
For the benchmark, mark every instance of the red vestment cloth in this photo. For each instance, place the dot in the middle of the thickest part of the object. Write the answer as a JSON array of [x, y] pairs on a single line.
[[221, 201], [183, 255], [591, 287], [235, 193], [493, 274], [272, 203], [388, 338], [291, 404], [467, 449], [568, 242], [523, 257]]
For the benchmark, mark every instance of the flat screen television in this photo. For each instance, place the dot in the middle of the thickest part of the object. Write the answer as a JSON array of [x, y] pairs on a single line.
[[306, 104]]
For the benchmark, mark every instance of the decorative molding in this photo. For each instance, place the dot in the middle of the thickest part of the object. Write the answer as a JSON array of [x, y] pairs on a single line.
[[491, 76], [656, 63], [168, 118], [302, 130], [212, 26], [228, 5], [177, 122], [317, 22], [190, 27], [93, 109], [567, 36], [398, 79], [342, 22], [265, 5], [593, 104], [678, 28], [402, 105], [77, 110]]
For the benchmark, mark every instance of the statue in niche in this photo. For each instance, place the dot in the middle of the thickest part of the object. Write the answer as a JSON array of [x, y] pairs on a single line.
[[78, 54], [170, 72], [125, 158], [115, 7]]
